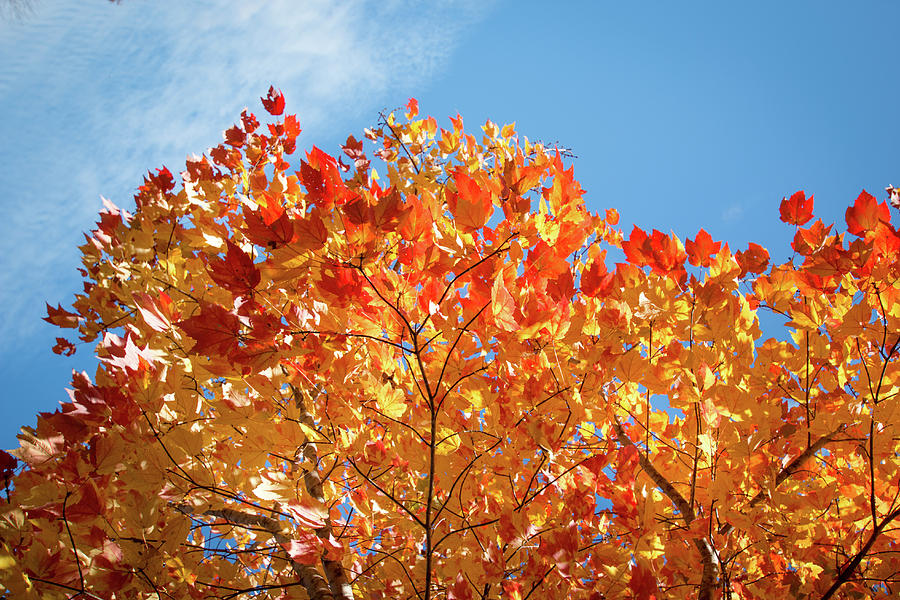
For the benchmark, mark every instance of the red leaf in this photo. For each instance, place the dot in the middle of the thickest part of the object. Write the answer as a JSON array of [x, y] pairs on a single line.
[[659, 251], [60, 317], [866, 213], [64, 347], [596, 279], [345, 284], [701, 249], [752, 260], [313, 181], [334, 550], [291, 128], [237, 272], [797, 210], [666, 254], [161, 182], [543, 260], [459, 589], [8, 464], [248, 119], [354, 150], [596, 463], [634, 247], [274, 101], [808, 240], [126, 355], [306, 550], [642, 583], [311, 233], [214, 329], [235, 137], [511, 589]]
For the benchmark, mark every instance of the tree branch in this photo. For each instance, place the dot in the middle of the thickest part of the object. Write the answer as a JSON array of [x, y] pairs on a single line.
[[707, 554], [847, 571]]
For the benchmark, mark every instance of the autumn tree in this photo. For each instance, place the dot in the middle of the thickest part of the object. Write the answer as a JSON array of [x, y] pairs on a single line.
[[410, 372]]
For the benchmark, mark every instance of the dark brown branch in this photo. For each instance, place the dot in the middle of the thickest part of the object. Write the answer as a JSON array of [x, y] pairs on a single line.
[[849, 568]]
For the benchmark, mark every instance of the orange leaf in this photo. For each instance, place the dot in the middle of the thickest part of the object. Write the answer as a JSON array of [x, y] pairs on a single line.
[[701, 249], [797, 210], [612, 216], [752, 260], [412, 108], [865, 214], [705, 377], [471, 205]]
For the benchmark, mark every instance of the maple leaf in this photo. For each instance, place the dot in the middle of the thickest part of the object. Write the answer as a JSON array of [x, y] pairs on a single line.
[[126, 355], [305, 549], [612, 216], [235, 137], [64, 347], [307, 515], [412, 108], [61, 317], [810, 239], [236, 272], [642, 583], [503, 306], [866, 214], [274, 101], [153, 311], [214, 329], [88, 503], [701, 249], [267, 232], [354, 150], [8, 464], [459, 589], [596, 280], [797, 210], [470, 204], [752, 260], [512, 590]]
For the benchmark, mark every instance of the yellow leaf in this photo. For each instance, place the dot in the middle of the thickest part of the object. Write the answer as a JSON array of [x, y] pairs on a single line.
[[391, 402]]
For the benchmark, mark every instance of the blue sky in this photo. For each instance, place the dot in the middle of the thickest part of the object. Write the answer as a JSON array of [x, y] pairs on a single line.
[[682, 115]]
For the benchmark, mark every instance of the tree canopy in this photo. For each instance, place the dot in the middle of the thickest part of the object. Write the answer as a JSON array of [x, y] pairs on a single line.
[[410, 371]]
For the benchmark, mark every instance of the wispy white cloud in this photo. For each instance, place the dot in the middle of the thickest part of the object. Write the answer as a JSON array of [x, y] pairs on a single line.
[[733, 213], [94, 94]]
